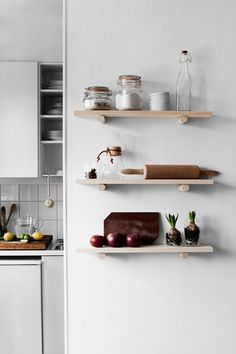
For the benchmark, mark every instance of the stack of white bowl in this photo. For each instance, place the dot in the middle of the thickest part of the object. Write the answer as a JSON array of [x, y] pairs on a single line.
[[159, 101]]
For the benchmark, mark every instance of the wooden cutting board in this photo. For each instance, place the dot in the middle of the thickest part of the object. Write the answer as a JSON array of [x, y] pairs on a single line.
[[144, 224], [32, 245]]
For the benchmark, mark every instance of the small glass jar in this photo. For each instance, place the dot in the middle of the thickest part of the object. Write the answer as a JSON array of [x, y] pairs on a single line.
[[129, 94], [97, 98]]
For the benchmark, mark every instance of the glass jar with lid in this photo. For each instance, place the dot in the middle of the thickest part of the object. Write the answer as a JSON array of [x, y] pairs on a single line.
[[129, 94], [97, 98]]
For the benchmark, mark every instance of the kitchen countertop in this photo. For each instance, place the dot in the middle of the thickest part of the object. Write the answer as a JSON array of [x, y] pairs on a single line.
[[15, 253]]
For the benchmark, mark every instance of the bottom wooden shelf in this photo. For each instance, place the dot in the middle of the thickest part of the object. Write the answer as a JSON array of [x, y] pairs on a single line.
[[183, 251]]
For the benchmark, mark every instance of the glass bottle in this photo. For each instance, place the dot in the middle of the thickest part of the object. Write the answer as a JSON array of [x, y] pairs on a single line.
[[183, 85], [129, 93]]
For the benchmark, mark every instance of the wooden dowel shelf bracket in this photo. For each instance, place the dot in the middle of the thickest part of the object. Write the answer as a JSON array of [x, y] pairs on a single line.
[[183, 187], [102, 187], [101, 119], [183, 119]]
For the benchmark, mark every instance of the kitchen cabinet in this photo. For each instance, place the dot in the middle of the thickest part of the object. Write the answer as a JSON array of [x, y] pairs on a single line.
[[20, 306], [31, 303], [51, 118], [19, 119], [53, 304]]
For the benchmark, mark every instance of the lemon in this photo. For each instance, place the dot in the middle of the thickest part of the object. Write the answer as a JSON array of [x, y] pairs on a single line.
[[37, 235], [8, 236]]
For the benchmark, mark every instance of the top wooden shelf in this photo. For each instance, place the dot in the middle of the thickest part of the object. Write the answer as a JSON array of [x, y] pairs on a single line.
[[182, 116]]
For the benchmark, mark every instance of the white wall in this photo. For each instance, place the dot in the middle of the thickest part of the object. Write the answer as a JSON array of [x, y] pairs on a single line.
[[31, 30], [149, 304]]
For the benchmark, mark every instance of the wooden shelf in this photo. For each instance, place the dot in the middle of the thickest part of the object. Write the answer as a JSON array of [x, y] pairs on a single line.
[[51, 141], [182, 184], [183, 251], [181, 116]]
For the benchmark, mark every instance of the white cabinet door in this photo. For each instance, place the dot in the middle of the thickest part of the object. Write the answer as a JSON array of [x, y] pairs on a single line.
[[53, 305], [20, 308], [19, 119]]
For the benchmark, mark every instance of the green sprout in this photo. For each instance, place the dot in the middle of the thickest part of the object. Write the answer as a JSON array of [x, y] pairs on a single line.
[[192, 216], [172, 219]]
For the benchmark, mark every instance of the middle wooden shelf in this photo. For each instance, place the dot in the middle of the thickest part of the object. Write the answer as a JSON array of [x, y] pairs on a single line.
[[182, 184]]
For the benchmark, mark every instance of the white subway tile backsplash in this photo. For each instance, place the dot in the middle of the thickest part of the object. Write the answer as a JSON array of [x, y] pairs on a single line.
[[47, 213], [11, 226], [29, 200], [50, 228], [29, 209], [9, 192], [59, 210], [60, 192], [60, 229], [43, 192], [29, 192]]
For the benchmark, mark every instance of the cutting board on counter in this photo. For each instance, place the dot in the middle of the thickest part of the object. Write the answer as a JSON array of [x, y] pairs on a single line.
[[145, 224], [31, 245]]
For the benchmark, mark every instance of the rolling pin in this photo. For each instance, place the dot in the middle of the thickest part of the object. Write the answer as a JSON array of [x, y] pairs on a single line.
[[170, 172]]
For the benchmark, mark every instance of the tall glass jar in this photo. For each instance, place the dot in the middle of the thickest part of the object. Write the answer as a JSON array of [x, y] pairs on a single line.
[[129, 93], [97, 98]]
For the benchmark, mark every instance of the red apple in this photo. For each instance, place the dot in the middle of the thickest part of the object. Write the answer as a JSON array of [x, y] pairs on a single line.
[[97, 240], [133, 240], [115, 239]]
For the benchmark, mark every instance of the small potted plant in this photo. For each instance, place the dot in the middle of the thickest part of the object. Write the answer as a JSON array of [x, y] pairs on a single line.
[[173, 236], [192, 231]]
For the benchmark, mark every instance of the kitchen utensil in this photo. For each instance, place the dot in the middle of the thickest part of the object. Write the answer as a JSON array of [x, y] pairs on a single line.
[[144, 224], [12, 210], [31, 245], [4, 220], [170, 172], [3, 213], [49, 203], [1, 227]]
